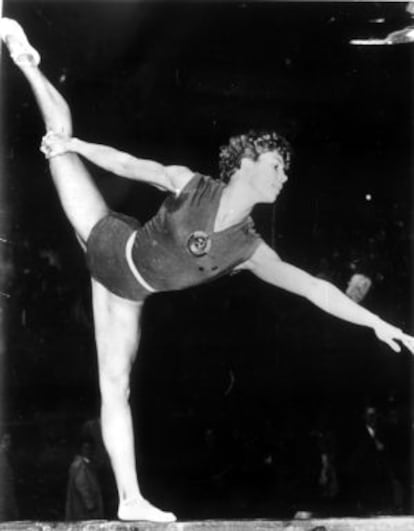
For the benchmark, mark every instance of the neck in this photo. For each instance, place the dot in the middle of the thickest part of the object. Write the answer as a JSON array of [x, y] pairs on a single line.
[[240, 197], [235, 205]]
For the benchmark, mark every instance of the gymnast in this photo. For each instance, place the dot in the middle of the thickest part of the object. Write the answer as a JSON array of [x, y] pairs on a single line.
[[202, 231]]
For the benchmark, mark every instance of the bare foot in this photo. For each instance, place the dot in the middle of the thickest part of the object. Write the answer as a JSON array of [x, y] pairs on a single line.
[[139, 509], [21, 51]]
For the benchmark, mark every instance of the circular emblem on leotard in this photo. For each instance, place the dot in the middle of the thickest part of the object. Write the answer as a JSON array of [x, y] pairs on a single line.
[[199, 243]]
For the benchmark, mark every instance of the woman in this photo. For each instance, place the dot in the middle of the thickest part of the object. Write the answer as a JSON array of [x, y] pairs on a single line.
[[202, 231]]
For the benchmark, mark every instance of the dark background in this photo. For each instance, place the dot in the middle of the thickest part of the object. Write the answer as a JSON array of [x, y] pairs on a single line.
[[227, 371]]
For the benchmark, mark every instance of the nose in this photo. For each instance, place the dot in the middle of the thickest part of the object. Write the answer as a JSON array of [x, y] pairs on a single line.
[[283, 177]]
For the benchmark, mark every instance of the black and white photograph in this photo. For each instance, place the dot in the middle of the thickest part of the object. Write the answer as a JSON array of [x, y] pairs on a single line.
[[206, 265]]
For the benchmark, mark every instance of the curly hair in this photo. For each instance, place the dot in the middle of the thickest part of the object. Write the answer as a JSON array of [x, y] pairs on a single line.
[[251, 145]]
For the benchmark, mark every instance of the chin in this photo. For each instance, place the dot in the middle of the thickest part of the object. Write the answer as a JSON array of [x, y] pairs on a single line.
[[275, 197], [270, 198]]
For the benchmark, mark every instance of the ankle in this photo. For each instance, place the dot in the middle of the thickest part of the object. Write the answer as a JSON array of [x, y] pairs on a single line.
[[131, 500]]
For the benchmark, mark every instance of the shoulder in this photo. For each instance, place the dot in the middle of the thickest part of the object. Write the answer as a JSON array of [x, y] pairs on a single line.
[[185, 179], [178, 177], [263, 254]]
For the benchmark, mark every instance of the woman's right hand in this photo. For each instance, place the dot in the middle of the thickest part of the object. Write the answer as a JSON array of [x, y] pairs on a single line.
[[54, 144], [391, 335]]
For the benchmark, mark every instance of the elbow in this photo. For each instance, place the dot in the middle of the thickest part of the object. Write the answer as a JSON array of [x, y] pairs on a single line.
[[124, 167], [121, 162], [317, 290]]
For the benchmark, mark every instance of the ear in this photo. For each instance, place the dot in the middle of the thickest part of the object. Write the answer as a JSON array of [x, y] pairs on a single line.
[[246, 163]]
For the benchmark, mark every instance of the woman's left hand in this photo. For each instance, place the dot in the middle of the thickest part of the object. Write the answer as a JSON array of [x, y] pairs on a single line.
[[54, 144], [391, 335]]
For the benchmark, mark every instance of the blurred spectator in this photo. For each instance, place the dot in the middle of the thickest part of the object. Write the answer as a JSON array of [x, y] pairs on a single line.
[[52, 459], [8, 504], [91, 430], [369, 470], [328, 478], [313, 469], [396, 428], [83, 498], [358, 287]]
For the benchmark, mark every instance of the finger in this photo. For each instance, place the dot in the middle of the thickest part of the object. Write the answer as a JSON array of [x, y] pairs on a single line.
[[44, 146], [393, 345], [48, 153], [47, 137], [408, 343], [55, 153], [50, 134]]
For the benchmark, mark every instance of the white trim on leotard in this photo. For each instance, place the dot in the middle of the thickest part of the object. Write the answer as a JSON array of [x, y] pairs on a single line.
[[132, 266]]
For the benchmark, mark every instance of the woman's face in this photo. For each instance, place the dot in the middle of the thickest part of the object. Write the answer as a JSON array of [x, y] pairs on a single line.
[[270, 176]]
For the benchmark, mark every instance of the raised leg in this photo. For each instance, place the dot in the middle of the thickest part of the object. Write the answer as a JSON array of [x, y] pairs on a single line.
[[81, 200], [117, 333]]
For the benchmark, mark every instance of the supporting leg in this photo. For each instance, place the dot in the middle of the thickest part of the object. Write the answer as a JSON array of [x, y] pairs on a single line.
[[117, 333], [116, 319]]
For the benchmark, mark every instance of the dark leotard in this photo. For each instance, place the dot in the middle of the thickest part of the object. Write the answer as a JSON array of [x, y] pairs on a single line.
[[176, 249]]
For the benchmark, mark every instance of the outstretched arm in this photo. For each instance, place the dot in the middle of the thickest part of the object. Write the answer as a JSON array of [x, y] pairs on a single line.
[[266, 265], [170, 178]]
